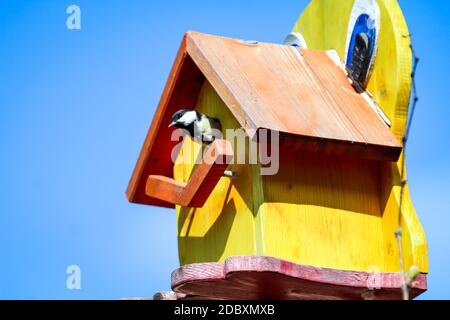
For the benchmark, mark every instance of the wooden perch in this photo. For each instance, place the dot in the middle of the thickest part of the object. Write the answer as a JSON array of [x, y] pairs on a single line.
[[196, 192]]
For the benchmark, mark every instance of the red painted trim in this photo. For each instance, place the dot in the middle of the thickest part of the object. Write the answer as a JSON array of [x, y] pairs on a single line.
[[181, 90], [258, 273]]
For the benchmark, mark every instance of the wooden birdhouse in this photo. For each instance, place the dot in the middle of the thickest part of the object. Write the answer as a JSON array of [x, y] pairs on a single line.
[[310, 203]]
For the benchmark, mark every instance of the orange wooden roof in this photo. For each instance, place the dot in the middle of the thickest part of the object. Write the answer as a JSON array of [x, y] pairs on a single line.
[[300, 93]]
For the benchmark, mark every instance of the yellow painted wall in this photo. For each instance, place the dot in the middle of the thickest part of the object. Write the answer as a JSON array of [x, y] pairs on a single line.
[[319, 210], [324, 211]]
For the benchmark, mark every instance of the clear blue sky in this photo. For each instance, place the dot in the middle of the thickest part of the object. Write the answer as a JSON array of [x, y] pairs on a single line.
[[74, 110]]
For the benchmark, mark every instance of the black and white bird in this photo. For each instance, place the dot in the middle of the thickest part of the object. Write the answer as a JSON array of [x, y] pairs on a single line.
[[200, 127]]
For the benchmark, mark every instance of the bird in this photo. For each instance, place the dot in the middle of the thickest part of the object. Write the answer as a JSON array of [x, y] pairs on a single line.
[[200, 127]]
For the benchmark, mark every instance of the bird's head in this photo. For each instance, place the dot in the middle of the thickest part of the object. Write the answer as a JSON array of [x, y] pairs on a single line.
[[183, 118]]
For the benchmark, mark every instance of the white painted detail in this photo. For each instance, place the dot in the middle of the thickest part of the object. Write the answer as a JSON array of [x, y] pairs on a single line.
[[334, 56], [296, 39]]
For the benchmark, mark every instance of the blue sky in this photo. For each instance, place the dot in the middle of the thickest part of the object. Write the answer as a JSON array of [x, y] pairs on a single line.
[[74, 110]]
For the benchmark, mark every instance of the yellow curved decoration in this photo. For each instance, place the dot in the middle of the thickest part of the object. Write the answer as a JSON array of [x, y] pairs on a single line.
[[324, 25]]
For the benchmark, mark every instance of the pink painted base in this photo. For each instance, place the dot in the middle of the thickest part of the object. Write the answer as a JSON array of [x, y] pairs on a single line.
[[265, 278]]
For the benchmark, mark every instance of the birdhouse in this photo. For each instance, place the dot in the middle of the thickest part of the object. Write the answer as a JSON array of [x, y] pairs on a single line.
[[299, 196]]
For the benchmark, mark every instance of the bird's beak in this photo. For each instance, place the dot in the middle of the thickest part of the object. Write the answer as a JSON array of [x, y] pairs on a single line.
[[172, 124]]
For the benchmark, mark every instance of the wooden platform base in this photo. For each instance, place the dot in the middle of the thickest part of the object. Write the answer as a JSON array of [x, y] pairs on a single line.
[[265, 278]]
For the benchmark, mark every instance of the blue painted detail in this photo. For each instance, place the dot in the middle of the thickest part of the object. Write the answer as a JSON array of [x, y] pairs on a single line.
[[364, 24]]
